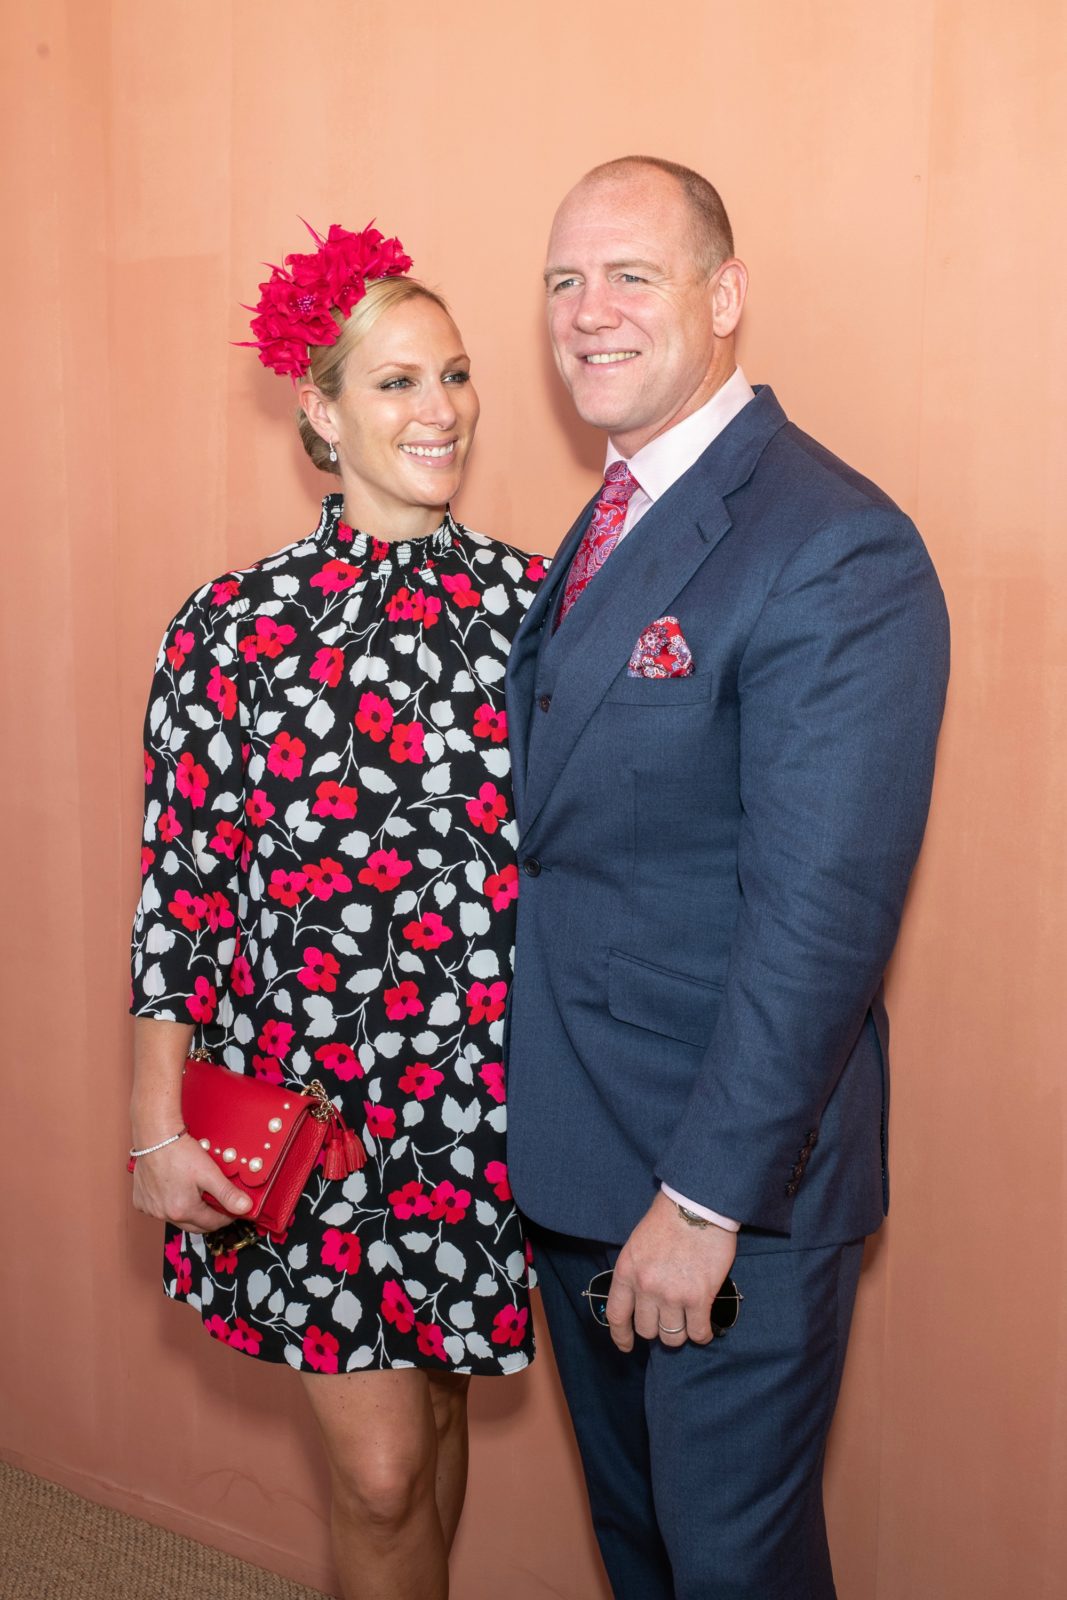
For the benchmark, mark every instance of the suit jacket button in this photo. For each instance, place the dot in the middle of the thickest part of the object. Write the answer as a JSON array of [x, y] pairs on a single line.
[[545, 701], [813, 1139], [791, 1189], [531, 866], [798, 1170]]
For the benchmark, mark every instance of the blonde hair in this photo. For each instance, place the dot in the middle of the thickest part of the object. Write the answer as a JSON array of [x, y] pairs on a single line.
[[327, 371]]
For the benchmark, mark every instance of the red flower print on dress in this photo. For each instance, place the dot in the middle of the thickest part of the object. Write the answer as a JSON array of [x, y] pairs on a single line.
[[217, 1328], [428, 934], [410, 1201], [191, 779], [320, 1350], [267, 1069], [509, 1326], [202, 1003], [502, 887], [286, 887], [225, 1262], [335, 800], [403, 1001], [228, 840], [327, 666], [241, 977], [496, 1174], [258, 809], [405, 606], [276, 1037], [430, 1340], [172, 1252], [407, 742], [492, 1075], [184, 1275], [179, 648], [319, 972], [489, 809], [225, 591], [490, 724], [335, 576], [384, 870], [341, 1250], [326, 879], [460, 588], [449, 1202], [286, 756], [218, 911], [535, 569], [396, 1307], [169, 826], [340, 1059], [148, 855], [245, 1338], [374, 717], [381, 1121], [149, 767], [223, 691], [269, 640], [486, 1004], [421, 1080]]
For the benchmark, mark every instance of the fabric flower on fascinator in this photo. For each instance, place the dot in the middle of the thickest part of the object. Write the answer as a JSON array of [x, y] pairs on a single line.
[[298, 302]]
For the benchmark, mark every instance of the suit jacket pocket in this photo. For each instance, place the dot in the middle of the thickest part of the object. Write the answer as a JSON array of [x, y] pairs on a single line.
[[666, 1002], [661, 692]]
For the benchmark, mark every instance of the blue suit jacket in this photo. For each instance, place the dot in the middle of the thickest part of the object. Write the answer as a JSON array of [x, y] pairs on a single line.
[[713, 868]]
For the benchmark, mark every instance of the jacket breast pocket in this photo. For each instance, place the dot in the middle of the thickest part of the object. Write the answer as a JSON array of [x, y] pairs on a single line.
[[671, 1003], [661, 692]]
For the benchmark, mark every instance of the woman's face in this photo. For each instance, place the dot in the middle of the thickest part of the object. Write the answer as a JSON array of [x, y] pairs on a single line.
[[404, 421]]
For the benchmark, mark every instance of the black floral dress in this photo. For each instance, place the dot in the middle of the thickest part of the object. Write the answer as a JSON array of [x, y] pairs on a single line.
[[329, 892]]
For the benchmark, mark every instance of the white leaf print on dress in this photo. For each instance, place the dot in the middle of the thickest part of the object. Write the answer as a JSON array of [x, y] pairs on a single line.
[[437, 779], [337, 1215], [347, 1309], [320, 1013], [450, 1261], [258, 1288], [318, 1286]]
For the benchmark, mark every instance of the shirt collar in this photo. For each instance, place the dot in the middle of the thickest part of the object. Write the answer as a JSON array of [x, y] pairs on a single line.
[[662, 461]]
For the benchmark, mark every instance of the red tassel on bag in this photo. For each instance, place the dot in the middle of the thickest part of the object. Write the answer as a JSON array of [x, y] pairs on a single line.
[[343, 1153]]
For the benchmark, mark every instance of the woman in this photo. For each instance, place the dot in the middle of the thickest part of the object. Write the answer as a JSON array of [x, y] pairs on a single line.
[[329, 893]]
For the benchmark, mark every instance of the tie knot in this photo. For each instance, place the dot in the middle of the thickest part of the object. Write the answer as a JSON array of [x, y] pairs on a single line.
[[619, 484]]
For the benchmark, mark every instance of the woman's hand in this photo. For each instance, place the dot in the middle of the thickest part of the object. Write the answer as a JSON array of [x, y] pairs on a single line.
[[171, 1183]]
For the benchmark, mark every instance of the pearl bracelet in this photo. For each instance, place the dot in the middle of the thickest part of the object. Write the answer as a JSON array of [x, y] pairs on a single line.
[[150, 1149]]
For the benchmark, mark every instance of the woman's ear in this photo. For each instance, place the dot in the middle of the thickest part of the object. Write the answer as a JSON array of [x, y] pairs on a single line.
[[317, 410]]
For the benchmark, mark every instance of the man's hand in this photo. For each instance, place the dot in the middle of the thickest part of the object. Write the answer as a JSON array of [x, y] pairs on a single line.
[[666, 1278]]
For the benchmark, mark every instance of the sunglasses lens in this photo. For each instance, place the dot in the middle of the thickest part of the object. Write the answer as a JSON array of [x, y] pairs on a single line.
[[725, 1307]]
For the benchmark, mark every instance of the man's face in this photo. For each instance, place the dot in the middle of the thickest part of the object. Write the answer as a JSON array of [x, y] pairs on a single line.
[[631, 311]]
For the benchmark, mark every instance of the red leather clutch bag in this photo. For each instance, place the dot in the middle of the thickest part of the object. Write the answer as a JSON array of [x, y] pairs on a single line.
[[266, 1138]]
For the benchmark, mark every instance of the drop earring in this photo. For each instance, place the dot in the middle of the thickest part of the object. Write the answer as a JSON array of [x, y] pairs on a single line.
[[333, 449]]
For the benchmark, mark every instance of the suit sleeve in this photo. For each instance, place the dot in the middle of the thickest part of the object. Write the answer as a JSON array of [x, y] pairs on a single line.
[[841, 689], [184, 934]]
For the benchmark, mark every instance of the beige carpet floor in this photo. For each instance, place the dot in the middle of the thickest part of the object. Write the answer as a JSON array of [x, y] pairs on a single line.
[[56, 1546]]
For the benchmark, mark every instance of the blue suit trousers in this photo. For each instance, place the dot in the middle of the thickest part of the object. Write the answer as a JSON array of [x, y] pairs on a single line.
[[704, 1463]]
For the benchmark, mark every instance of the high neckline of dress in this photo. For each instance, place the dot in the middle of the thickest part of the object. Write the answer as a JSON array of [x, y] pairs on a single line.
[[352, 544]]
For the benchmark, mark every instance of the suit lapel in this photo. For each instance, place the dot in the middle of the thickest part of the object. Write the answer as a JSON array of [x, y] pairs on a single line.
[[639, 583], [522, 663], [644, 575]]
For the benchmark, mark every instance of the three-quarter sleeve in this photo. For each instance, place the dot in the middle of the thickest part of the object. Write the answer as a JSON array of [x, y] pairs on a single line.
[[185, 930]]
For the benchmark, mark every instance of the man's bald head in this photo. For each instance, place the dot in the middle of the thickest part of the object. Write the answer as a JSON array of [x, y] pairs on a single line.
[[713, 238]]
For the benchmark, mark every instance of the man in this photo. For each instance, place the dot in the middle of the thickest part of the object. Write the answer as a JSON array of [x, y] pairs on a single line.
[[723, 706]]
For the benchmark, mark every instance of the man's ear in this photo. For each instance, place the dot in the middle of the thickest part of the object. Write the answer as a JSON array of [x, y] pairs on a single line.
[[317, 410], [729, 285]]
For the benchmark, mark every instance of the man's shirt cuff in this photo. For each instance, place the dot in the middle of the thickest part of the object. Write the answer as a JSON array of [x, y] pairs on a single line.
[[702, 1211]]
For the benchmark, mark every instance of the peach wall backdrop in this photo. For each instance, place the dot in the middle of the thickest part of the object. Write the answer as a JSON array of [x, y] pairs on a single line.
[[896, 176]]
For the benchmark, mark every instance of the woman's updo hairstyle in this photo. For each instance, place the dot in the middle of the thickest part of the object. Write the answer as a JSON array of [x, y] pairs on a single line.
[[327, 369]]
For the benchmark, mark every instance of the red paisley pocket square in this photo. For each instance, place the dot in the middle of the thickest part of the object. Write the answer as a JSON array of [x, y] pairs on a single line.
[[661, 652]]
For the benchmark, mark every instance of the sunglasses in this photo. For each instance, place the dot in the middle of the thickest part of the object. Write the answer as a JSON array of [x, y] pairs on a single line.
[[725, 1308]]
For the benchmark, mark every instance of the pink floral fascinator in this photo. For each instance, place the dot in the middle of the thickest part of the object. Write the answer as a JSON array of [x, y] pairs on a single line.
[[298, 301]]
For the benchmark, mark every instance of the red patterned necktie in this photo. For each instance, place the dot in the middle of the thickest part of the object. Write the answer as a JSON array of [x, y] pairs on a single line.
[[602, 534]]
